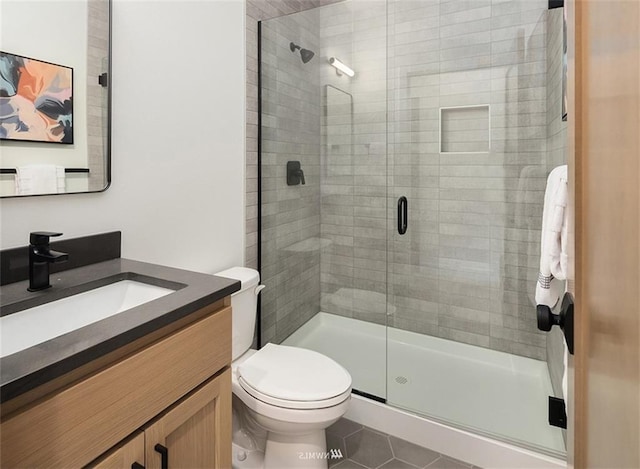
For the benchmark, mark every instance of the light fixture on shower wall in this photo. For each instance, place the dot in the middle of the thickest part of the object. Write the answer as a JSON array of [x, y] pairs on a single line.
[[341, 68]]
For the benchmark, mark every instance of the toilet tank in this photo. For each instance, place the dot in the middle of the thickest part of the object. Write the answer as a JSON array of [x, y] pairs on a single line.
[[244, 305]]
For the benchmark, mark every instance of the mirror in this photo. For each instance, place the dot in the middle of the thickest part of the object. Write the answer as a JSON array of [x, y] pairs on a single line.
[[338, 114], [55, 96]]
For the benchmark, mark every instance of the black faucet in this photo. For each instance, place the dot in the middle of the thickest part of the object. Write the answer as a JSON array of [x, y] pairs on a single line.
[[40, 256]]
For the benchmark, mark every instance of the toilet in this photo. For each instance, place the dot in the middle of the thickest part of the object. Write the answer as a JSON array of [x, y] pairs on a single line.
[[283, 397]]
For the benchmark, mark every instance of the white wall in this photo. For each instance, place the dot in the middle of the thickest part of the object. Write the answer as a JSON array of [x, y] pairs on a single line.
[[177, 191]]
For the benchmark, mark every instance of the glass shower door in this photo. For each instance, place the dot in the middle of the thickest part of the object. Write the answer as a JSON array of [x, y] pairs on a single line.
[[353, 223], [413, 235], [468, 149], [354, 188]]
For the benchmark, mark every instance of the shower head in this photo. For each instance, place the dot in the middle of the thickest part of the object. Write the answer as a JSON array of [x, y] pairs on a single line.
[[305, 54]]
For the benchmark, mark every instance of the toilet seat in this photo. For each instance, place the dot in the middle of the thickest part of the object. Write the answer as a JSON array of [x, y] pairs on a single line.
[[294, 378], [293, 404]]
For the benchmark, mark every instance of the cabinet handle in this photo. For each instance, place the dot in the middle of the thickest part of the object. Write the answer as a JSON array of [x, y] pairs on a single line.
[[164, 452], [137, 465]]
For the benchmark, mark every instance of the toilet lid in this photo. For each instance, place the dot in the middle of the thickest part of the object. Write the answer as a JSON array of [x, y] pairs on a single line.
[[294, 374]]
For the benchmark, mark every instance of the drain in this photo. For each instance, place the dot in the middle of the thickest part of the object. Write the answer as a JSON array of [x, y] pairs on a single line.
[[401, 380]]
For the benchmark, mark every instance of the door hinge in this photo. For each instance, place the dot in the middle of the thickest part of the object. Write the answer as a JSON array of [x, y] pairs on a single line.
[[557, 412]]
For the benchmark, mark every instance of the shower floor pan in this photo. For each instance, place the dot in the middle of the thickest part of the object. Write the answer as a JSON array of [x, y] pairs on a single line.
[[495, 393]]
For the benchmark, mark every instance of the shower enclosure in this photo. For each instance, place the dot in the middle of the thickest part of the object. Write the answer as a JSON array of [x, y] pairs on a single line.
[[401, 203]]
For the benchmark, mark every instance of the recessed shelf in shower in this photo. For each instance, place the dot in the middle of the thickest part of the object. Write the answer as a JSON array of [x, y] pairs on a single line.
[[465, 129]]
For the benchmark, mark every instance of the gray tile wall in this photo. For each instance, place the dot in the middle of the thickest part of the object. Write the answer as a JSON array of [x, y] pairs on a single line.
[[465, 129], [475, 250], [354, 185], [466, 270], [556, 127], [291, 131], [257, 10], [290, 214], [97, 55]]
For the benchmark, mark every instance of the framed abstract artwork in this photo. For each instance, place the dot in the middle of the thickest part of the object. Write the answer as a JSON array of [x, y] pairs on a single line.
[[36, 100]]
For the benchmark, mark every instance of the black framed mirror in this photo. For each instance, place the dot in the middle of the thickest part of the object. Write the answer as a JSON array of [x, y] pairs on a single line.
[[55, 97]]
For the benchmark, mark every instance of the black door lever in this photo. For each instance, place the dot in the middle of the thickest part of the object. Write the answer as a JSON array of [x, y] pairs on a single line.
[[546, 319]]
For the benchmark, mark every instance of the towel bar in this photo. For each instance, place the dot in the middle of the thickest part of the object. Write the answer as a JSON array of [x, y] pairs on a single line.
[[66, 170]]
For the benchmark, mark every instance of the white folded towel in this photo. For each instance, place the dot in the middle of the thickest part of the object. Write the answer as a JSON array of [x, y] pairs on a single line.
[[40, 179], [553, 242]]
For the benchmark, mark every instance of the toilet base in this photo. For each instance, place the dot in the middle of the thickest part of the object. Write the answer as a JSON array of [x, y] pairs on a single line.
[[287, 452], [307, 451], [243, 458]]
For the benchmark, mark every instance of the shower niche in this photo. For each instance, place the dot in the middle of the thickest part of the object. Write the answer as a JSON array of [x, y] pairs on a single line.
[[465, 129]]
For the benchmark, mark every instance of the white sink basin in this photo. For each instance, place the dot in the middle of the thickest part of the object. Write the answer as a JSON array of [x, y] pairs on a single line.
[[33, 326]]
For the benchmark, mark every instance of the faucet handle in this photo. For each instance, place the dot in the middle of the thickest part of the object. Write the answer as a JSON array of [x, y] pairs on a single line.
[[41, 238]]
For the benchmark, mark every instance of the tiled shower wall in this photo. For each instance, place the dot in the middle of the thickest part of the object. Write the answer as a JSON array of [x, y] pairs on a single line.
[[556, 127], [466, 269], [291, 118], [257, 10], [354, 183], [472, 263], [290, 214]]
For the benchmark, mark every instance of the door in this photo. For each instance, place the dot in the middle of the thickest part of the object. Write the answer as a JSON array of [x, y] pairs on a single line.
[[468, 163], [604, 115], [196, 432]]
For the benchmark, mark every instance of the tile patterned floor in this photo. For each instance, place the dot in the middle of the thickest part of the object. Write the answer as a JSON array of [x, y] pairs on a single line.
[[364, 448]]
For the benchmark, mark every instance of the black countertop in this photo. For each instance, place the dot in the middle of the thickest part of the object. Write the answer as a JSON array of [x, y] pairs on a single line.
[[34, 366]]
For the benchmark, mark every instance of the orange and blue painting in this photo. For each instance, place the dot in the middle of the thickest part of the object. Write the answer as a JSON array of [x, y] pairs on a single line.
[[36, 100]]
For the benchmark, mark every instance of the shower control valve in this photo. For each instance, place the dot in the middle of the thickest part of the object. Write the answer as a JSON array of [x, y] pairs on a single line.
[[295, 175]]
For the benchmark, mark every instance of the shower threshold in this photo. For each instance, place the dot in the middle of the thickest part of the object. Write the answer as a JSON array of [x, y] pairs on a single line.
[[495, 393]]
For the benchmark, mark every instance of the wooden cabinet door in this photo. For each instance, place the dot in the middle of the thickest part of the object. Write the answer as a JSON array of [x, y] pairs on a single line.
[[196, 431], [123, 457]]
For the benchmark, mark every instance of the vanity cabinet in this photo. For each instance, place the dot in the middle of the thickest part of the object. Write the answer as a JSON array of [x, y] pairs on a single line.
[[174, 391], [191, 434], [126, 455]]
